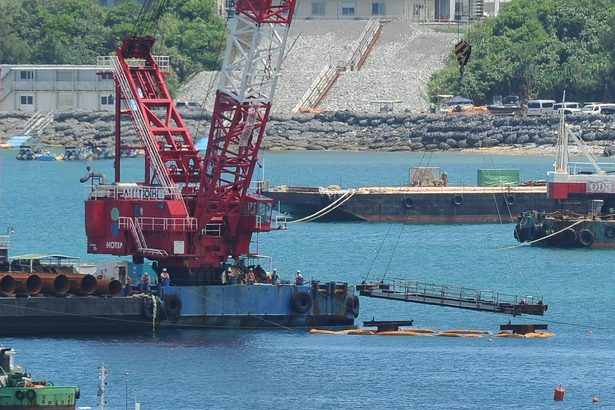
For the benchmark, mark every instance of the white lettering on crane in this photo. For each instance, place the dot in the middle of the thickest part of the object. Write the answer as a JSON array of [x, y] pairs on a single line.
[[600, 187], [143, 193], [114, 245]]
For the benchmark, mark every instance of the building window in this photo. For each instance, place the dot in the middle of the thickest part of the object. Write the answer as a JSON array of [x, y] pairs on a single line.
[[318, 9], [26, 100], [66, 100], [348, 8], [107, 100], [378, 9], [106, 76], [26, 75], [64, 76]]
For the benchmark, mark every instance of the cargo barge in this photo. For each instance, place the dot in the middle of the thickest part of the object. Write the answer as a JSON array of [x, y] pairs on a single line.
[[418, 204]]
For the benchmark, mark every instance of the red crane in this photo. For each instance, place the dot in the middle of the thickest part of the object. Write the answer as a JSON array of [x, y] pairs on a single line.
[[191, 213]]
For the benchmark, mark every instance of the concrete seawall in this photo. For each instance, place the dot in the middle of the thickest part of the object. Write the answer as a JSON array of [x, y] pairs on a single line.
[[344, 131]]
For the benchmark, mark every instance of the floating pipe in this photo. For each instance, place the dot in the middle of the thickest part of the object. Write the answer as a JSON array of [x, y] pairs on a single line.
[[82, 284], [108, 287], [28, 283], [7, 284], [55, 284]]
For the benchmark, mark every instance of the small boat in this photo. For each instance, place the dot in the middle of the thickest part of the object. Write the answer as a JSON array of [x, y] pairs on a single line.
[[18, 390], [45, 156], [569, 182], [509, 106]]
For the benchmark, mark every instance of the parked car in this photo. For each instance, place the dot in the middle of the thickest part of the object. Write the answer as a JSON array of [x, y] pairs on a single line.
[[567, 108], [540, 107], [599, 108]]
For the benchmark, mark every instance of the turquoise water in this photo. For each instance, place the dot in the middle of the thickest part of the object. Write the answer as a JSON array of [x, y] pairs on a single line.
[[195, 369]]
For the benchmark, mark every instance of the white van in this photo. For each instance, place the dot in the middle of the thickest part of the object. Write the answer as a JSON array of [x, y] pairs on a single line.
[[567, 108], [540, 107], [599, 109]]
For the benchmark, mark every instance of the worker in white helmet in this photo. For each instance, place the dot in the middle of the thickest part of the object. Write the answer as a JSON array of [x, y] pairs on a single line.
[[298, 278]]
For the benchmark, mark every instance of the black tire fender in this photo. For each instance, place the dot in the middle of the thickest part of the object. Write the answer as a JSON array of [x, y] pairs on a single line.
[[353, 305], [172, 306], [586, 238], [301, 302], [30, 394], [407, 202], [458, 200], [510, 199], [609, 232], [19, 395]]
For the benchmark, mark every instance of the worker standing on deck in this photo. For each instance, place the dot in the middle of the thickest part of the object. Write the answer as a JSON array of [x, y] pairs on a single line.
[[274, 277], [230, 277], [165, 278], [251, 276], [145, 283], [298, 278], [127, 282]]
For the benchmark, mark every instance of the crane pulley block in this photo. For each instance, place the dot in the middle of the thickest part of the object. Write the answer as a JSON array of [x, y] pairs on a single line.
[[463, 49]]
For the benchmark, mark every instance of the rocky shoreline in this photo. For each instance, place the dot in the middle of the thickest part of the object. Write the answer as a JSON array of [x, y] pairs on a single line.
[[346, 131]]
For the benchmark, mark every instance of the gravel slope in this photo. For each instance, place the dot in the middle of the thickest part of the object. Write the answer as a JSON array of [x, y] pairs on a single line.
[[397, 69]]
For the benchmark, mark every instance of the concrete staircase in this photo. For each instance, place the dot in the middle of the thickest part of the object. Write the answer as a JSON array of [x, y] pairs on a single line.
[[330, 73]]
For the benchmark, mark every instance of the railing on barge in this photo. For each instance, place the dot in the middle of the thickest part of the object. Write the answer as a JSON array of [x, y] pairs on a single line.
[[404, 290]]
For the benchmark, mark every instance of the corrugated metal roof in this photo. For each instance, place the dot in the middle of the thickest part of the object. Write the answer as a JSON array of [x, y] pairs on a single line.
[[34, 256]]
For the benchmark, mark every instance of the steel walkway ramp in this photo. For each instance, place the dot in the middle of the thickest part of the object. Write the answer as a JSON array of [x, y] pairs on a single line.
[[404, 290]]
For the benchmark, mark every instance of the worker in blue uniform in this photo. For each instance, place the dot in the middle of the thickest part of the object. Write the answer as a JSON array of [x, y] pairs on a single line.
[[165, 278], [298, 278]]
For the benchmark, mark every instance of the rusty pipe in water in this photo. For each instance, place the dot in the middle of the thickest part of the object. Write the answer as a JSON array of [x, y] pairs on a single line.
[[82, 284], [108, 287], [28, 283], [58, 285], [7, 284]]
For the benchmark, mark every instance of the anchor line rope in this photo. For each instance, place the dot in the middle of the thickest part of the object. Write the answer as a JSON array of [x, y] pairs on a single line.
[[377, 253], [545, 237], [510, 264], [329, 208], [392, 253]]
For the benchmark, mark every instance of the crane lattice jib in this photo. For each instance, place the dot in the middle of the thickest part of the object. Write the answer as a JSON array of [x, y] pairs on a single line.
[[169, 147], [248, 79]]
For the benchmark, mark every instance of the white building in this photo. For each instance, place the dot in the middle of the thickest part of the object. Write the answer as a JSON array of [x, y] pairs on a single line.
[[414, 10], [55, 88]]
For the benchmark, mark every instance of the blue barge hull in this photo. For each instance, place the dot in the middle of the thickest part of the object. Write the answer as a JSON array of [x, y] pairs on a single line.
[[259, 305], [223, 306]]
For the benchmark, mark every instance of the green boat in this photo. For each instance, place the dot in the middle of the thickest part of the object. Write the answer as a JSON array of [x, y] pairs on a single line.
[[19, 391]]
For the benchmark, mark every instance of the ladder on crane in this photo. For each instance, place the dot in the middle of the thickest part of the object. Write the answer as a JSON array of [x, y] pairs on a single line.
[[405, 290]]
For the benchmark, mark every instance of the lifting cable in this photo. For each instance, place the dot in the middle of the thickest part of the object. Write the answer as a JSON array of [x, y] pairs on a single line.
[[329, 208]]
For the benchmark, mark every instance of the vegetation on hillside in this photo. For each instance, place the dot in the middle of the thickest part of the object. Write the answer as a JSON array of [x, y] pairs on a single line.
[[77, 31], [538, 49]]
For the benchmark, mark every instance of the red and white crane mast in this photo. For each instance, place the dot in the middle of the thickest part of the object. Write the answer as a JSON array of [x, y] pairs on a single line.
[[191, 213]]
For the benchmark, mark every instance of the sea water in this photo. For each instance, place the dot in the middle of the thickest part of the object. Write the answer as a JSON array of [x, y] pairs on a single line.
[[286, 368]]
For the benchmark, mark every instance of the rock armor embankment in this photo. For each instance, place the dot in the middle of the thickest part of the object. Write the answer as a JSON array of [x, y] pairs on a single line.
[[347, 131]]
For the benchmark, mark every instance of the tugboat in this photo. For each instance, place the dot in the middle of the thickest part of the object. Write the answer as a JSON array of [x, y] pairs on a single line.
[[19, 391], [574, 181]]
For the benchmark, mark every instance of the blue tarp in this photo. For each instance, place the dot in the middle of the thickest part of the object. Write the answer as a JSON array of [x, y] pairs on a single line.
[[18, 140]]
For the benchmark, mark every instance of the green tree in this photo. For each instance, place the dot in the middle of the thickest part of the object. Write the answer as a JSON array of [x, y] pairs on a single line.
[[537, 48]]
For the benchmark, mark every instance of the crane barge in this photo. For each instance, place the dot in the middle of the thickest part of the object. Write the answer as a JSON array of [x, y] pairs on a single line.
[[195, 216]]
